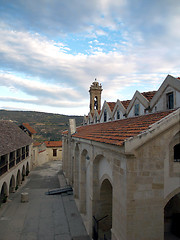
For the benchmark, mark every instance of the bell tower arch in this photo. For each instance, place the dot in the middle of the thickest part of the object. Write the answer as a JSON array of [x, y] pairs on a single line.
[[95, 96]]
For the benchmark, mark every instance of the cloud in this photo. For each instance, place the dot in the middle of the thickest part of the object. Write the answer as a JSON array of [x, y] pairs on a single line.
[[46, 68], [50, 18], [122, 43], [154, 20]]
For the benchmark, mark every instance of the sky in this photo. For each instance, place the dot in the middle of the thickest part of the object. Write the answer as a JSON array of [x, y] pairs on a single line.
[[52, 50]]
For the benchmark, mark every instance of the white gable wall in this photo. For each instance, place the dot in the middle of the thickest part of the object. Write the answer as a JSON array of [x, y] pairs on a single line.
[[121, 114], [161, 104], [141, 109], [102, 116]]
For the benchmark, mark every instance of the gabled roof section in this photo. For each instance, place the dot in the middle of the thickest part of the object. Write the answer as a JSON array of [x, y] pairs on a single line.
[[106, 106], [143, 100], [111, 105], [96, 114], [169, 81], [119, 106], [126, 103], [12, 137], [53, 143], [155, 129], [28, 128], [116, 132], [149, 95], [85, 119], [90, 116]]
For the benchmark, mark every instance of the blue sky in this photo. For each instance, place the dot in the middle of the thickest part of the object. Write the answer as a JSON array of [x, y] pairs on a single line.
[[52, 50]]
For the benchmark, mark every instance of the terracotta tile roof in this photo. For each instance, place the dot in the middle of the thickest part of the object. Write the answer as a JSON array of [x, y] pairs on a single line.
[[29, 128], [12, 137], [125, 103], [111, 105], [116, 132], [53, 143], [149, 95], [35, 144], [65, 132]]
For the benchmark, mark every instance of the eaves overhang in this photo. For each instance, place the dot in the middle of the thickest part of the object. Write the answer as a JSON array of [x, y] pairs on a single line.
[[133, 143]]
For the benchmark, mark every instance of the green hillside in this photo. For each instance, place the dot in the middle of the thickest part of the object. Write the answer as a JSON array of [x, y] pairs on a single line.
[[49, 126]]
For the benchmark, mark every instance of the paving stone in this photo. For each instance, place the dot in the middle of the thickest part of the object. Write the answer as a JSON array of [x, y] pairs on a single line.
[[43, 217]]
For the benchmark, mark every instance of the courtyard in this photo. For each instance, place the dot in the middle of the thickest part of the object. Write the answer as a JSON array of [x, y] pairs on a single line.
[[43, 217]]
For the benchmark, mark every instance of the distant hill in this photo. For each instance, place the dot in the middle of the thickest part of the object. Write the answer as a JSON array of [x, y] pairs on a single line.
[[49, 126]]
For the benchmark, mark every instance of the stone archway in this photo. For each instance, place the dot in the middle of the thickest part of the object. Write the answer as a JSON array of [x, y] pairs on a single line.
[[27, 169], [172, 218], [18, 179], [102, 198], [12, 184], [105, 209], [23, 173], [4, 193], [76, 172], [82, 190]]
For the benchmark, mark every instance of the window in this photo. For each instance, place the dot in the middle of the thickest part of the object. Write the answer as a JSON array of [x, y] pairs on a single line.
[[3, 164], [11, 159], [177, 153], [118, 114], [54, 152], [18, 156], [105, 115], [170, 100], [136, 109], [96, 103]]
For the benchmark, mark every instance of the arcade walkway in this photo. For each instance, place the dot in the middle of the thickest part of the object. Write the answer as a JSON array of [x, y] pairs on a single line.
[[44, 217]]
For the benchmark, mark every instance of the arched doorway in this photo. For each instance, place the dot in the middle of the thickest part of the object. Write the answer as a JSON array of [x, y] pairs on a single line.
[[172, 218], [102, 198], [104, 221], [12, 184], [4, 193]]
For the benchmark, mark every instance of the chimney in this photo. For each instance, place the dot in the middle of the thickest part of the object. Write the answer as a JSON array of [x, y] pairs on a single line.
[[72, 126]]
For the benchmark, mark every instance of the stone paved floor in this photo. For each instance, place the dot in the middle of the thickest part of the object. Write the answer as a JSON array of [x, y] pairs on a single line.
[[44, 217]]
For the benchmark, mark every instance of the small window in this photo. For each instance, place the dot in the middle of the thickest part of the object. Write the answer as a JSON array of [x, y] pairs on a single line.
[[177, 153], [136, 109], [118, 114], [54, 152], [96, 103], [105, 115], [170, 100]]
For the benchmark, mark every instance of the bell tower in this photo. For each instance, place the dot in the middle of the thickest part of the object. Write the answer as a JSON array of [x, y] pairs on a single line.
[[95, 96]]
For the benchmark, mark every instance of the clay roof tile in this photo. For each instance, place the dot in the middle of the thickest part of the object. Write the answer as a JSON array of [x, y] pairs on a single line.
[[29, 128], [149, 95], [111, 105], [116, 132], [53, 143]]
